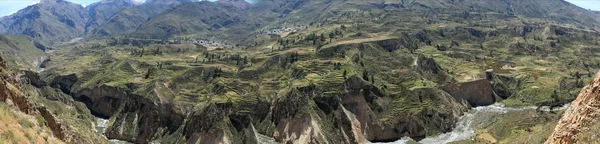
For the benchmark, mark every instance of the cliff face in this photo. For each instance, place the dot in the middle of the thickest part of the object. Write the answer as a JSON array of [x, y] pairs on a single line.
[[582, 114], [28, 94]]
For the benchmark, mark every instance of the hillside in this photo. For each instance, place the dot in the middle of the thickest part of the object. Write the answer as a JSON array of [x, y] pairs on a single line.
[[33, 112], [197, 21], [50, 21], [129, 19], [22, 52], [101, 11], [197, 18]]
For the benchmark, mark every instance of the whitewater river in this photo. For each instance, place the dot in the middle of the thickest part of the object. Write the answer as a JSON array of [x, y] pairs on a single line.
[[101, 127], [464, 129]]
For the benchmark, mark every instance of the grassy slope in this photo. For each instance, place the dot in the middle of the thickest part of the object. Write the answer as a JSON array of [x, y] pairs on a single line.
[[18, 127]]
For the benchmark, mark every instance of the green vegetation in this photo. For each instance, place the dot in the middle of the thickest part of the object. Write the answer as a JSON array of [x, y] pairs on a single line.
[[213, 69]]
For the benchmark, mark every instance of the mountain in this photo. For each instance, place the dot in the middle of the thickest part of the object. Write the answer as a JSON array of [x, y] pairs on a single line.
[[168, 2], [193, 18], [237, 3], [49, 20], [220, 20], [128, 19], [101, 11]]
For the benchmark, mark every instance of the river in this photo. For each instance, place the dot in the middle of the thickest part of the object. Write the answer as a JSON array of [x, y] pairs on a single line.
[[462, 131], [464, 128]]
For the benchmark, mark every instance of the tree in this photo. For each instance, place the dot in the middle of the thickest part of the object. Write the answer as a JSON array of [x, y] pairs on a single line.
[[148, 73], [331, 36], [344, 74]]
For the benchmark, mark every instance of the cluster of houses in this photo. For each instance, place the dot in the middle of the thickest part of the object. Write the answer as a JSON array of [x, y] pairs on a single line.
[[208, 43], [283, 30]]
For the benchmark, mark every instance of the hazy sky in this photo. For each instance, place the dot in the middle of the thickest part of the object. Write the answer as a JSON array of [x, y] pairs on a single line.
[[8, 7]]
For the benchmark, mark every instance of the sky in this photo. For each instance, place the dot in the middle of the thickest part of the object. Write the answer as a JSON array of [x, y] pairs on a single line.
[[8, 7]]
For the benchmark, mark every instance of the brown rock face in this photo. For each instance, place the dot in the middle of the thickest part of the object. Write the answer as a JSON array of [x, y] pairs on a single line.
[[54, 125], [477, 93], [582, 114]]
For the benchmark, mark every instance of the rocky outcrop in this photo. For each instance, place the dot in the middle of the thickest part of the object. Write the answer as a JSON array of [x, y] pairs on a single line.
[[63, 82], [477, 93], [405, 41], [103, 101], [51, 121], [430, 68], [304, 129], [582, 113], [359, 104], [484, 92], [139, 121], [32, 78], [504, 86]]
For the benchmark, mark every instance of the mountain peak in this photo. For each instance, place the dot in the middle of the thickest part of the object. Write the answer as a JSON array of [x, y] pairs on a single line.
[[169, 2], [50, 1], [237, 3], [109, 1]]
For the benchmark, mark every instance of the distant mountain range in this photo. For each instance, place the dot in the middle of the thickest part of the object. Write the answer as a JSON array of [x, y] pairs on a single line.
[[53, 21]]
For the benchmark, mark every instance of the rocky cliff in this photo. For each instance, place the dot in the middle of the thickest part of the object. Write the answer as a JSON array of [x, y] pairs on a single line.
[[27, 92], [582, 114]]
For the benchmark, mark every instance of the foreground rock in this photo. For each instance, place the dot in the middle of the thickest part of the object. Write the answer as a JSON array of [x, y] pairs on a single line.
[[582, 114]]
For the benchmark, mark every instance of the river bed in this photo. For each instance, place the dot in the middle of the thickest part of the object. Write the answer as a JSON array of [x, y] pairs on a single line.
[[462, 131], [464, 127]]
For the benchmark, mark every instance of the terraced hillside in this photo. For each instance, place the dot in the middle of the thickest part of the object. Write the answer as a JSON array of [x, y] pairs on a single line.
[[338, 71], [375, 73]]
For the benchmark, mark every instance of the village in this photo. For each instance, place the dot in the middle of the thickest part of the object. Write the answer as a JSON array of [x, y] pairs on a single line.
[[283, 30]]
